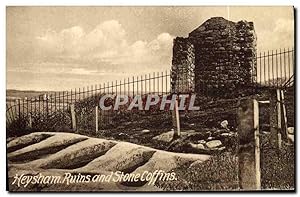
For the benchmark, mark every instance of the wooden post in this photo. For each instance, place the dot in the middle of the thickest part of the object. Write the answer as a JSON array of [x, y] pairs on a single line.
[[73, 116], [257, 145], [284, 117], [47, 106], [19, 109], [279, 118], [96, 119], [19, 114], [176, 120], [249, 148], [273, 119], [30, 120], [100, 117]]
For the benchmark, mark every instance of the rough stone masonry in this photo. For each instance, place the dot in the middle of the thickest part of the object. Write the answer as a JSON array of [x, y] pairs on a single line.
[[217, 59]]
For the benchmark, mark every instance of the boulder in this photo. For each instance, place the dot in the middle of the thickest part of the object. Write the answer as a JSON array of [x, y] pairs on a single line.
[[290, 130], [291, 138], [213, 144], [197, 146], [165, 137]]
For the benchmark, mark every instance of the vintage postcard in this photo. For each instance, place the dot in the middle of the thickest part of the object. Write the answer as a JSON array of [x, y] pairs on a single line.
[[150, 99]]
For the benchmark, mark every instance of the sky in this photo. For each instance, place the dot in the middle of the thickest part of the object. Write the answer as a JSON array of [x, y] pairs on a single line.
[[59, 48]]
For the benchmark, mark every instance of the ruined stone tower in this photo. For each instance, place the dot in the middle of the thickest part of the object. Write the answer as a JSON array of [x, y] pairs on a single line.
[[217, 59]]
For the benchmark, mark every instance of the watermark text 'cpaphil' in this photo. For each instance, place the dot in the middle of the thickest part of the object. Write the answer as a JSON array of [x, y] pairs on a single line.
[[166, 102]]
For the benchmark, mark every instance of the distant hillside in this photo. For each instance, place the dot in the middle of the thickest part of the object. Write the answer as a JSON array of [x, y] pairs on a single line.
[[19, 94]]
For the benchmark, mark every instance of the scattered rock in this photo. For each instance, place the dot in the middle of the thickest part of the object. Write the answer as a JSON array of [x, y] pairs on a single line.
[[165, 137], [291, 138], [290, 130], [225, 134], [228, 134], [197, 146], [213, 143], [221, 148], [210, 138], [146, 131], [123, 135], [202, 142], [224, 124]]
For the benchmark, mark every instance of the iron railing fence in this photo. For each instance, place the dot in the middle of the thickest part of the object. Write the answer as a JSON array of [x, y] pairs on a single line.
[[274, 69], [152, 83]]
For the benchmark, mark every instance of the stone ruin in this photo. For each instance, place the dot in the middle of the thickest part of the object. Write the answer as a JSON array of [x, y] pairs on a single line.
[[217, 59]]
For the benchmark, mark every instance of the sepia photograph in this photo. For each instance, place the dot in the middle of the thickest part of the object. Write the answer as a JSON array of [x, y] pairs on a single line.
[[150, 98]]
